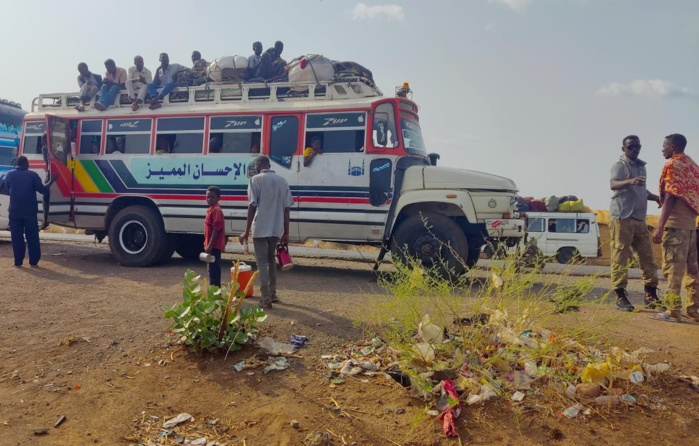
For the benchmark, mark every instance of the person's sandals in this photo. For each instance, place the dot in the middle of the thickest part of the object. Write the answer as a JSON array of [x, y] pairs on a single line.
[[266, 304], [664, 317], [691, 315], [99, 106]]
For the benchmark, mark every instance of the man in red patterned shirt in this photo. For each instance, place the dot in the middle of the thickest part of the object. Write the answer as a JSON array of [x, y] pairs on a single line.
[[214, 233], [679, 195]]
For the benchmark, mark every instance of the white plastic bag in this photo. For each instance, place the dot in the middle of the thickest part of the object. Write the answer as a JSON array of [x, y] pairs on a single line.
[[316, 68], [215, 68]]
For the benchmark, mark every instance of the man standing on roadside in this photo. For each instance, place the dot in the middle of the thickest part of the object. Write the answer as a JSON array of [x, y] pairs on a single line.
[[268, 215], [22, 185], [629, 232], [679, 195]]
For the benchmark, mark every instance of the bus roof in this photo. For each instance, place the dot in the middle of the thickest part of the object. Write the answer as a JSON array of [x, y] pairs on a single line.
[[228, 98]]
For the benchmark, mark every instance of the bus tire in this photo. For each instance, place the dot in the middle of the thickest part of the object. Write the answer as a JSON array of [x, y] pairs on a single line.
[[567, 255], [170, 250], [137, 236], [189, 246], [434, 240]]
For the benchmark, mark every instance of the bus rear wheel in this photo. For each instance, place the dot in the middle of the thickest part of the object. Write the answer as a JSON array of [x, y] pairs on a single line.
[[137, 236], [436, 241], [189, 246]]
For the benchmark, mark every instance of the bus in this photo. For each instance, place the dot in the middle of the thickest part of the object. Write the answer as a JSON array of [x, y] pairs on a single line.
[[11, 115], [139, 178]]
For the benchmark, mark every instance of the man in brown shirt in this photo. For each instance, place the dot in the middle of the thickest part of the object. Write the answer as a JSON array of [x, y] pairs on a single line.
[[679, 192]]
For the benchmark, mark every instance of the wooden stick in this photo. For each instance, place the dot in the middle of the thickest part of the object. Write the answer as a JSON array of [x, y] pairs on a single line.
[[245, 293], [231, 294]]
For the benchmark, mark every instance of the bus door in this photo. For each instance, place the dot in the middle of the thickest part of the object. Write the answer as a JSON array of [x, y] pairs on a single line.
[[62, 199], [282, 145], [334, 181]]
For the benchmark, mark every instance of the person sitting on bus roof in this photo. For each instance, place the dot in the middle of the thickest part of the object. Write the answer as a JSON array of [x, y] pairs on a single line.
[[165, 78], [114, 80], [271, 63], [310, 153], [199, 66], [254, 60], [139, 77], [89, 86], [215, 145]]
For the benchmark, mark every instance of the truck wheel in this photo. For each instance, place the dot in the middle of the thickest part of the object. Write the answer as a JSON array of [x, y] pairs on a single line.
[[474, 253], [433, 239], [137, 236], [189, 246], [567, 255]]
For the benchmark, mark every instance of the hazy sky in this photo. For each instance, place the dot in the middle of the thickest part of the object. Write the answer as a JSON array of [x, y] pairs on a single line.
[[541, 91]]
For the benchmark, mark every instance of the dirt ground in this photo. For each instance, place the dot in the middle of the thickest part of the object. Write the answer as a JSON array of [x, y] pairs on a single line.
[[85, 338]]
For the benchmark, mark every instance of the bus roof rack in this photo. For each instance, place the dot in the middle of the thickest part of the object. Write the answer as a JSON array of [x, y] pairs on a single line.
[[226, 92]]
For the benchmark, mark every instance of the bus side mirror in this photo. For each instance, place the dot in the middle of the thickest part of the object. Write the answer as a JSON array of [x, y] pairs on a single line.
[[433, 158]]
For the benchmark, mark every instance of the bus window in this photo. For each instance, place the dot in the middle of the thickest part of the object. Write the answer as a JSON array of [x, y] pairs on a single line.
[[90, 136], [412, 137], [184, 135], [235, 134], [384, 133], [130, 136], [32, 137], [583, 226], [284, 139], [562, 225], [338, 132], [536, 225]]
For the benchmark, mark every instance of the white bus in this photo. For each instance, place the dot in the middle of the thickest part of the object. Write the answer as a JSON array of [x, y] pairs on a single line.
[[139, 178]]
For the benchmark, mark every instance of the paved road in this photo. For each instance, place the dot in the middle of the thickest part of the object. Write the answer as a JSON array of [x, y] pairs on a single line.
[[356, 255]]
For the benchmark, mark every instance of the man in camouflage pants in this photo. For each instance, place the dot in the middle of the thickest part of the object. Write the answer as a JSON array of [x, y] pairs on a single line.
[[629, 233], [679, 192]]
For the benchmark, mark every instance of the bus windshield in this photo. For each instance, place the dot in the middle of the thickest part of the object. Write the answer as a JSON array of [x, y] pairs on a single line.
[[412, 137]]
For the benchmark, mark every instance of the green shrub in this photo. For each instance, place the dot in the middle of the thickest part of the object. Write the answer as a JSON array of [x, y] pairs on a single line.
[[198, 319]]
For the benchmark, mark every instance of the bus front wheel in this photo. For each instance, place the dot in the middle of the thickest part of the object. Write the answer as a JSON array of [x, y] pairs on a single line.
[[137, 236], [435, 241]]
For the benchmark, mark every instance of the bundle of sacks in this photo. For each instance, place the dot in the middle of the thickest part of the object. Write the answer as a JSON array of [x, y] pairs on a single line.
[[566, 203]]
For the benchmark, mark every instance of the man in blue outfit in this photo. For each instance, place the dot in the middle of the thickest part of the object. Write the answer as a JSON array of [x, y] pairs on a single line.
[[23, 185]]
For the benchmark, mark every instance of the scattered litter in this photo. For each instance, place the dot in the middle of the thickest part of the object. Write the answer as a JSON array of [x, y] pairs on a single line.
[[517, 396], [628, 399], [588, 390], [276, 363], [198, 442], [295, 424], [276, 348], [41, 431], [60, 421], [433, 413], [181, 418], [572, 411], [607, 400], [337, 382], [239, 366], [636, 377], [452, 410], [298, 341]]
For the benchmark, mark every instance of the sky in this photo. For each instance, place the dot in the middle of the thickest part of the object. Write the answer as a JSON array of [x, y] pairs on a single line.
[[539, 91]]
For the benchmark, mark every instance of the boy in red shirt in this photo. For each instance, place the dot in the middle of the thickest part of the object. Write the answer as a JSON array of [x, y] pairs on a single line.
[[214, 233]]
